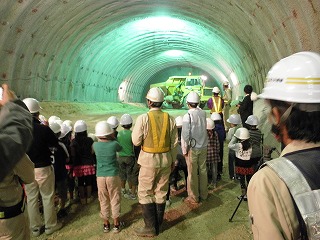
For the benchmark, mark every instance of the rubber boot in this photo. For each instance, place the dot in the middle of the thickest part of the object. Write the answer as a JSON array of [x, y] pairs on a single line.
[[149, 216], [160, 213]]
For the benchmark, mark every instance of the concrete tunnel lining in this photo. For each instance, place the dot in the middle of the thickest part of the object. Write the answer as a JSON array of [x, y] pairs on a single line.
[[83, 50]]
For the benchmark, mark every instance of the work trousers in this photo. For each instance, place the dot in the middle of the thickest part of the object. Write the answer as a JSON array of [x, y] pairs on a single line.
[[16, 228], [153, 184], [43, 185], [109, 194], [197, 174]]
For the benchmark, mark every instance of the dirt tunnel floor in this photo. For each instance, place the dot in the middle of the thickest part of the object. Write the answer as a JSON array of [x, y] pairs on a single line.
[[210, 220]]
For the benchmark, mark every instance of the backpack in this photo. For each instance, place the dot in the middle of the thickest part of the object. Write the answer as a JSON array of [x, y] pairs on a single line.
[[306, 200]]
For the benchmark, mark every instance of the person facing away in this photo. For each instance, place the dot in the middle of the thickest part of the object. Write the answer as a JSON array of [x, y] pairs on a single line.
[[220, 130], [15, 166], [40, 154], [216, 103], [61, 158], [194, 141], [246, 106], [126, 158], [156, 133], [240, 144], [227, 97], [213, 157], [108, 180], [256, 139], [235, 122], [292, 92], [83, 161]]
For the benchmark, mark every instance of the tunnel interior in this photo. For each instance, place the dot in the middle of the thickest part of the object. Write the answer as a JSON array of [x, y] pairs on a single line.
[[90, 50]]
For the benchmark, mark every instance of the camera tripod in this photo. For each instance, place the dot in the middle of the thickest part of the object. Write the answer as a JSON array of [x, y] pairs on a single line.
[[234, 212]]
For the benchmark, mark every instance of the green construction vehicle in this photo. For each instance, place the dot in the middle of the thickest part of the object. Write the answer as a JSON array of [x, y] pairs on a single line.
[[176, 89]]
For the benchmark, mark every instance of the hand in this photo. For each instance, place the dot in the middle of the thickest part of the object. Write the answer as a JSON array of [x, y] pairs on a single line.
[[7, 95]]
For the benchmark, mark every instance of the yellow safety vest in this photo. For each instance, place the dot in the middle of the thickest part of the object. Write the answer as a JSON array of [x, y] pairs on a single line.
[[158, 136], [217, 106]]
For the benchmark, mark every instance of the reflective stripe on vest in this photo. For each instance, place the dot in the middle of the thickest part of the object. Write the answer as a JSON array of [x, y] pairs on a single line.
[[152, 143], [216, 107]]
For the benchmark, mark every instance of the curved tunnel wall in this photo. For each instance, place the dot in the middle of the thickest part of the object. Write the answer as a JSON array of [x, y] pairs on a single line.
[[70, 50]]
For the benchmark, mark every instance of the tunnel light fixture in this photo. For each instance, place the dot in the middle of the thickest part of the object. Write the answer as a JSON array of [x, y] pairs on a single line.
[[174, 53], [160, 23], [204, 77]]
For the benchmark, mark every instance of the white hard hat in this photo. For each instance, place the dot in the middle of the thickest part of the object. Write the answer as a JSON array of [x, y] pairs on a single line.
[[234, 119], [113, 121], [210, 124], [216, 116], [80, 126], [126, 119], [155, 94], [294, 79], [215, 90], [59, 121], [55, 127], [53, 119], [226, 83], [103, 129], [193, 97], [242, 133], [68, 123], [253, 96], [179, 121], [65, 129], [32, 105], [252, 120]]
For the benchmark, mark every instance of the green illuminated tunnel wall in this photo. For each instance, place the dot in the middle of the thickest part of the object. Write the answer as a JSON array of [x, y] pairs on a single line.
[[71, 50]]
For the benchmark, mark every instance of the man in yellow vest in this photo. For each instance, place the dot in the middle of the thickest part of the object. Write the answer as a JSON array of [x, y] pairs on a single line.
[[156, 133], [216, 103]]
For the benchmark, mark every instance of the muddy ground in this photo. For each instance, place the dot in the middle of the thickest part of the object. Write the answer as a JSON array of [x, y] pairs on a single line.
[[209, 220]]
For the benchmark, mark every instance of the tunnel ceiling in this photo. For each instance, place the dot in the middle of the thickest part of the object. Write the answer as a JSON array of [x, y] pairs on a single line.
[[84, 50]]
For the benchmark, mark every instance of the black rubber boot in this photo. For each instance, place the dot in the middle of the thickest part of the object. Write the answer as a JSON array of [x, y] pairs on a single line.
[[149, 214], [160, 213]]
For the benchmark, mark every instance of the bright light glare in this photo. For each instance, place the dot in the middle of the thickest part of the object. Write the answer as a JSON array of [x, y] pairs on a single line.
[[174, 53], [160, 24], [234, 78], [204, 78]]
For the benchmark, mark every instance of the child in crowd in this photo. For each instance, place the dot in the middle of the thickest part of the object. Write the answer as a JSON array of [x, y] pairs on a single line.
[[212, 154], [220, 130], [83, 161], [240, 143], [60, 158], [114, 123], [179, 164], [108, 180], [126, 158], [256, 139], [235, 123], [65, 138]]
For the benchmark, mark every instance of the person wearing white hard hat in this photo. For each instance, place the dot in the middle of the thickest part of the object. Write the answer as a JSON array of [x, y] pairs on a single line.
[[220, 129], [213, 157], [108, 180], [114, 123], [83, 160], [240, 144], [256, 139], [277, 207], [194, 141], [16, 167], [44, 185], [61, 158], [126, 159], [216, 103], [235, 122], [227, 98], [156, 133], [65, 138]]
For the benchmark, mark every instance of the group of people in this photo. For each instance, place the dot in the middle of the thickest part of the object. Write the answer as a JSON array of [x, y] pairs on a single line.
[[278, 209]]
